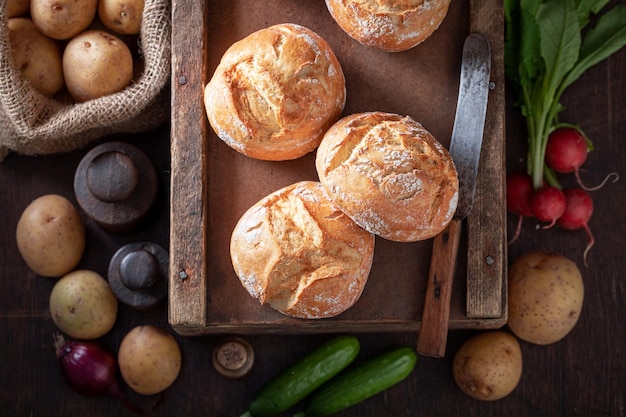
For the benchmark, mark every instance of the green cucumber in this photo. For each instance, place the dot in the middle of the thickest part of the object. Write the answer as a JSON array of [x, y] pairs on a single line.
[[303, 377], [361, 382]]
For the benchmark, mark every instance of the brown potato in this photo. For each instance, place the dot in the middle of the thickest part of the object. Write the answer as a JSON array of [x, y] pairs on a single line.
[[17, 8], [149, 359], [82, 305], [121, 16], [62, 19], [546, 295], [488, 366], [36, 56], [95, 64], [51, 236]]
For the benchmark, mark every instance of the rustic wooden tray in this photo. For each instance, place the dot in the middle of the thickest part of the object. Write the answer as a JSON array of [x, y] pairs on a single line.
[[212, 185]]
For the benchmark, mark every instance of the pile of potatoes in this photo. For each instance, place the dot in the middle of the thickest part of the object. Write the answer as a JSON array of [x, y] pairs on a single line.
[[50, 236], [545, 298], [83, 46]]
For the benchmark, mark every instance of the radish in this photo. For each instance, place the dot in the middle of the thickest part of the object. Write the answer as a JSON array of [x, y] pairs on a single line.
[[548, 204], [566, 151], [519, 189], [578, 211]]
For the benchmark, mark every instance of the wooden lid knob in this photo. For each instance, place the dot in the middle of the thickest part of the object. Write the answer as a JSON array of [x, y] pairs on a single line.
[[116, 185], [138, 274]]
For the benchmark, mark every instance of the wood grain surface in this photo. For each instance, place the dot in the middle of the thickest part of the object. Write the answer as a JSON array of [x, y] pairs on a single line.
[[582, 375]]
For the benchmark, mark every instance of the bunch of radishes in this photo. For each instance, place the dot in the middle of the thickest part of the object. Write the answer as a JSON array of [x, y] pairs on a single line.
[[568, 208]]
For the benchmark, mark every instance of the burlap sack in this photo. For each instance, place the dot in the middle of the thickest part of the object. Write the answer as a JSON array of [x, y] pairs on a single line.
[[32, 124]]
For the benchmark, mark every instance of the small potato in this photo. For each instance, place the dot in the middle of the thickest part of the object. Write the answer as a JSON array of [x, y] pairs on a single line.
[[17, 8], [545, 297], [95, 64], [62, 19], [51, 236], [36, 56], [488, 366], [121, 16], [82, 305], [149, 359]]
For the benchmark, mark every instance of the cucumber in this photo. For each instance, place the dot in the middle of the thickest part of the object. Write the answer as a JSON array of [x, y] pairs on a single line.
[[303, 377], [361, 382]]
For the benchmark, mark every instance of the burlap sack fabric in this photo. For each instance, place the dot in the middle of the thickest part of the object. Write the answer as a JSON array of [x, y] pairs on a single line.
[[32, 124]]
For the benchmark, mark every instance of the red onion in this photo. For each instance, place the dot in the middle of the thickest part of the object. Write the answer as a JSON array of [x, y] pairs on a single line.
[[89, 369]]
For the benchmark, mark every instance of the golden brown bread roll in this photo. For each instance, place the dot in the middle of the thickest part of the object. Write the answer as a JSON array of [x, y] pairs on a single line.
[[387, 25], [389, 175], [296, 251], [275, 92]]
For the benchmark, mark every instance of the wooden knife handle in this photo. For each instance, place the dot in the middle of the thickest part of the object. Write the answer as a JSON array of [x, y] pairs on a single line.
[[433, 332]]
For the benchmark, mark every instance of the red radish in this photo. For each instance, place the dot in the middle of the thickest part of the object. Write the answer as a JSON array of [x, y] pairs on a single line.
[[578, 211], [566, 151], [519, 189], [548, 204]]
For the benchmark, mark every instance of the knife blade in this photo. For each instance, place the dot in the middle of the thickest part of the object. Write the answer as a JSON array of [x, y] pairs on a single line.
[[465, 147]]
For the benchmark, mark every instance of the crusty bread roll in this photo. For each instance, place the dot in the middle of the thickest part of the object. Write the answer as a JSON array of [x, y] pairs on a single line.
[[296, 251], [389, 175], [275, 92], [391, 26]]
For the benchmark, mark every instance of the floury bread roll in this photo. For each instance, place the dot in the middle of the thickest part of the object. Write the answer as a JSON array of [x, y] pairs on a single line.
[[275, 92], [296, 251], [389, 25], [389, 175]]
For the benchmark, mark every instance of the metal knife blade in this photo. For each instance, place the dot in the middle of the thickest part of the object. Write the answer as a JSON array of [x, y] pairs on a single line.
[[469, 122], [465, 146]]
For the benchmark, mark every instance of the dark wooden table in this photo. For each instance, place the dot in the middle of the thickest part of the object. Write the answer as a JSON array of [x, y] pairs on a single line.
[[582, 375]]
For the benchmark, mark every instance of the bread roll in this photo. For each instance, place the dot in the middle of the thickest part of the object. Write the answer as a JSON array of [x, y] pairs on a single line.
[[389, 175], [391, 26], [275, 92], [296, 251]]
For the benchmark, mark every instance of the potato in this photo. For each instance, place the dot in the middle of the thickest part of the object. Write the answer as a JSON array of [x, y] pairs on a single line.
[[16, 8], [488, 366], [95, 64], [545, 297], [51, 236], [36, 56], [62, 19], [121, 16], [82, 305], [149, 359]]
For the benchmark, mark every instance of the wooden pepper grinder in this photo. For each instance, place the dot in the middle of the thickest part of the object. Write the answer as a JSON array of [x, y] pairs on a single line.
[[116, 185], [138, 275]]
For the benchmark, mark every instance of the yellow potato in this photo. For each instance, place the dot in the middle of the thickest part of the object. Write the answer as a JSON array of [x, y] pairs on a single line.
[[82, 305], [36, 56], [121, 16], [546, 295], [16, 8], [488, 366], [51, 236], [62, 19], [95, 64], [149, 359]]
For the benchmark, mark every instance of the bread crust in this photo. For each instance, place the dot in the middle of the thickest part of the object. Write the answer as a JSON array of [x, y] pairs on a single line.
[[296, 251], [389, 175], [391, 26], [275, 92]]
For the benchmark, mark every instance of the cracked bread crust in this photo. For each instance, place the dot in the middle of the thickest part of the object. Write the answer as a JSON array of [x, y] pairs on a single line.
[[389, 175], [275, 93], [391, 26], [296, 251]]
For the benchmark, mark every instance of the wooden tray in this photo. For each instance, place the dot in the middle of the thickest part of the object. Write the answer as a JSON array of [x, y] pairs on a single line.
[[212, 185]]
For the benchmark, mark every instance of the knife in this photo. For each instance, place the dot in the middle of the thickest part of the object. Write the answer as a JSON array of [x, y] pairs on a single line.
[[465, 145]]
